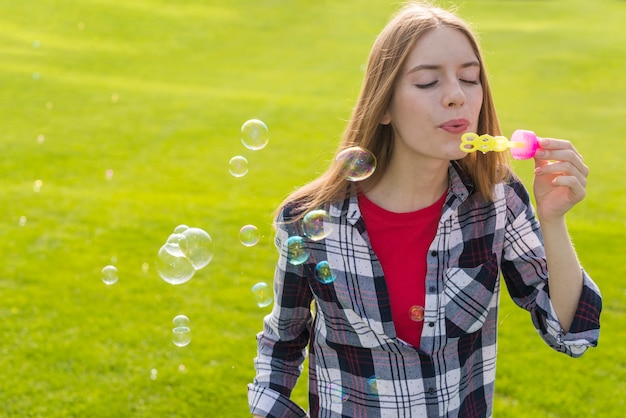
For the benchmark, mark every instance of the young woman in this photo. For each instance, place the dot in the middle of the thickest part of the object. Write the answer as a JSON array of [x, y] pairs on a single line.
[[404, 319]]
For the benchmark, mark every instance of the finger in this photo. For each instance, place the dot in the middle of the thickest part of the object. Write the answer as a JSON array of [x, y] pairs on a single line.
[[546, 156], [562, 168], [577, 190], [555, 144]]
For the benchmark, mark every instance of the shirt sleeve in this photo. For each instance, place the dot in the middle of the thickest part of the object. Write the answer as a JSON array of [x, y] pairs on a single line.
[[282, 342], [524, 270]]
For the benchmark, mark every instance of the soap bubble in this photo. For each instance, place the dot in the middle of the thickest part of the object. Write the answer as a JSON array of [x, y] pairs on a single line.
[[297, 252], [238, 166], [186, 250], [180, 229], [416, 313], [323, 273], [181, 333], [173, 245], [249, 235], [357, 163], [254, 134], [197, 246], [108, 175], [372, 386], [262, 294], [316, 224], [109, 275], [153, 374], [173, 266], [37, 186], [41, 138], [22, 220]]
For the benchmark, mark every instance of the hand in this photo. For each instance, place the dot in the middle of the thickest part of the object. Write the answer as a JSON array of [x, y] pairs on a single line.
[[560, 178]]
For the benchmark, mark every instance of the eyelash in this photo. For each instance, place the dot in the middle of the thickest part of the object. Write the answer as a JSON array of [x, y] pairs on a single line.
[[426, 86]]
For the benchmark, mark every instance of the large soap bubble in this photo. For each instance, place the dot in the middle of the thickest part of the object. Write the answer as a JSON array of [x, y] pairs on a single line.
[[198, 247], [186, 250], [254, 134], [173, 266], [357, 163], [316, 224]]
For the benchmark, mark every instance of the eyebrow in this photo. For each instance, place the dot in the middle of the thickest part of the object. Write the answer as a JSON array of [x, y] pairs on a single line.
[[438, 67]]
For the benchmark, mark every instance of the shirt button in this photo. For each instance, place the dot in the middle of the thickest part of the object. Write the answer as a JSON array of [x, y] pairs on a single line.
[[432, 289], [431, 324], [431, 391], [433, 253]]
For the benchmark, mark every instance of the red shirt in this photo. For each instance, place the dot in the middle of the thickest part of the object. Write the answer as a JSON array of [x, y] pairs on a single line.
[[401, 242]]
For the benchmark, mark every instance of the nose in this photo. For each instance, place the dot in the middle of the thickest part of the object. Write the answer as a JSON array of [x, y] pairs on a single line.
[[453, 94]]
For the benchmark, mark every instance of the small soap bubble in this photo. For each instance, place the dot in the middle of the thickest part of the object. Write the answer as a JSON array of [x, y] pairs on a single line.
[[37, 186], [22, 220], [182, 368], [180, 229], [40, 138], [172, 265], [372, 386], [356, 163], [337, 392], [316, 224], [197, 246], [249, 235], [254, 134], [416, 313], [36, 76], [108, 175], [323, 273], [238, 166], [153, 374], [297, 251], [36, 43], [145, 267], [173, 244], [109, 275], [263, 295], [181, 333]]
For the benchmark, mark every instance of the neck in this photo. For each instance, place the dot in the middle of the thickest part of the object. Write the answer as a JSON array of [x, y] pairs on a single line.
[[409, 188]]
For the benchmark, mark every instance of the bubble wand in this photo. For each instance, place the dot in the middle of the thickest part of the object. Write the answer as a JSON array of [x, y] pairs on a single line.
[[523, 144]]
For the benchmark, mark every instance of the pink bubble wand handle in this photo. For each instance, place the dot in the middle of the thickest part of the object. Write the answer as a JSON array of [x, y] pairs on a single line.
[[523, 144]]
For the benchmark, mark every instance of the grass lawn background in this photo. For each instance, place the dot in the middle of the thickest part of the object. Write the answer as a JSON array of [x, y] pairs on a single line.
[[156, 92]]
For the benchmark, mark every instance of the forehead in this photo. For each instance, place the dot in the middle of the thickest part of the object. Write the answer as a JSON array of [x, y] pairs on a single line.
[[440, 46]]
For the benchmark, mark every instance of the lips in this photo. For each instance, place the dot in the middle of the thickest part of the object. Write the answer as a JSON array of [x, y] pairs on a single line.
[[455, 126]]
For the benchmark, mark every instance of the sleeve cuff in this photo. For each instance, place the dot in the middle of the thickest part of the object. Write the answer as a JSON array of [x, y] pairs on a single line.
[[584, 331], [269, 403]]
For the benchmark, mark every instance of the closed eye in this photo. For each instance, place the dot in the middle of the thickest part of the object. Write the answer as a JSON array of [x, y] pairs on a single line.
[[427, 85], [472, 82]]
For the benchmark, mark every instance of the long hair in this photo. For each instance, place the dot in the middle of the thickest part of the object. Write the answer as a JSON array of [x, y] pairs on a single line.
[[386, 59]]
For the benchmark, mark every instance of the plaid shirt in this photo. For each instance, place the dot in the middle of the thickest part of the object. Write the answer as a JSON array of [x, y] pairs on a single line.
[[357, 365]]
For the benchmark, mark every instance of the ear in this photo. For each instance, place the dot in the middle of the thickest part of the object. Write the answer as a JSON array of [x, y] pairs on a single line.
[[386, 119]]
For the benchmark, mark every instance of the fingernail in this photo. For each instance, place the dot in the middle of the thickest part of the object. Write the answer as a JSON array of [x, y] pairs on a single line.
[[540, 153]]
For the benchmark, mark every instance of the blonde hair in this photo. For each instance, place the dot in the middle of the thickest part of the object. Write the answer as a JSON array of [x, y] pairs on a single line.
[[386, 59]]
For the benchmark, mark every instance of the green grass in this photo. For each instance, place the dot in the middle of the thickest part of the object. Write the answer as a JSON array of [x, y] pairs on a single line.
[[157, 91]]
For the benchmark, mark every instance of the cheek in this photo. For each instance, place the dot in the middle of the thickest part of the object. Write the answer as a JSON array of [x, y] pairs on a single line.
[[477, 104]]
